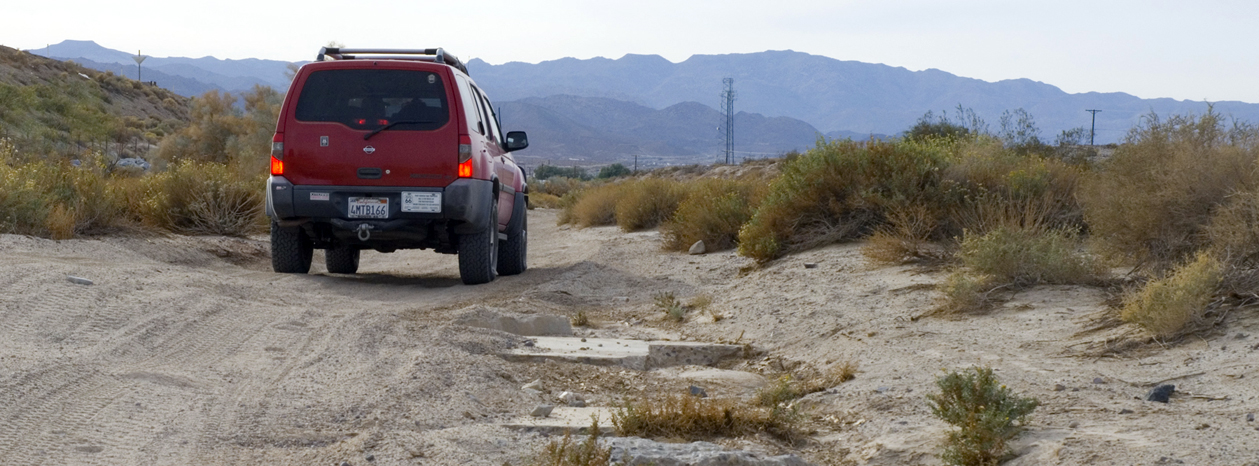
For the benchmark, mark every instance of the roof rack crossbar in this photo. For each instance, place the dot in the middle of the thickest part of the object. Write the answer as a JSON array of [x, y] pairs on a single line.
[[439, 55]]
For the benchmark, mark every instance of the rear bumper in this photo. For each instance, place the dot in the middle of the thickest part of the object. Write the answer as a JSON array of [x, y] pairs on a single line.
[[463, 201]]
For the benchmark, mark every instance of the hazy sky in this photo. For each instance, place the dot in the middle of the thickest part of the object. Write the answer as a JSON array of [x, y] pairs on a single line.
[[1196, 50]]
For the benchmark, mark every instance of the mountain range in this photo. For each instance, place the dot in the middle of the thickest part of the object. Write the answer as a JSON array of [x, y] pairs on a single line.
[[599, 110]]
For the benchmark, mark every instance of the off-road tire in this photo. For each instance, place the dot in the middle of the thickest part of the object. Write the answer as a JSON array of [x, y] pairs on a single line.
[[291, 250], [341, 260], [512, 252], [478, 252]]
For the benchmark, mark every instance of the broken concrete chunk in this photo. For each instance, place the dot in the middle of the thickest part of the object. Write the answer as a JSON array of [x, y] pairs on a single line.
[[543, 411], [78, 280]]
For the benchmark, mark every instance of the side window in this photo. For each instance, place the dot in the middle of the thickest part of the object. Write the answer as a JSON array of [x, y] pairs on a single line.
[[493, 119], [471, 110]]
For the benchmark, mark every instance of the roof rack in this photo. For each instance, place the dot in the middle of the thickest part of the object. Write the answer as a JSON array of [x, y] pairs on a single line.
[[437, 55]]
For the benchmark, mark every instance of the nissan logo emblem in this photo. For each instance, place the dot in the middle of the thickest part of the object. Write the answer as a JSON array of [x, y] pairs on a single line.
[[368, 150]]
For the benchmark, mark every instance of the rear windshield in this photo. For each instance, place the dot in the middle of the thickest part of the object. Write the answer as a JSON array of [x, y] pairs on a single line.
[[369, 99]]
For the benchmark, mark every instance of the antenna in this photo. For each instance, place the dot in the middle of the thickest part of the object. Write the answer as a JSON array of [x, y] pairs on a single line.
[[139, 59], [1093, 128], [727, 110]]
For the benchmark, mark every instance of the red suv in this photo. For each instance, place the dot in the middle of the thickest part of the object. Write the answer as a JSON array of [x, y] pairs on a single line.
[[394, 149]]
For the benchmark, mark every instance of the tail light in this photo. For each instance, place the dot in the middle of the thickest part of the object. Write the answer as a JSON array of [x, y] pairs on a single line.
[[277, 154], [465, 157]]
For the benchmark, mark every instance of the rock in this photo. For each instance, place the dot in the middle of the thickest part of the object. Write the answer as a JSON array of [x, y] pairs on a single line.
[[1073, 424], [1250, 417], [573, 399], [810, 265], [1161, 393], [697, 391], [1125, 411], [529, 343], [542, 411], [1059, 387], [1098, 380], [633, 451], [1241, 336], [697, 248], [134, 162], [78, 280], [534, 385], [371, 457]]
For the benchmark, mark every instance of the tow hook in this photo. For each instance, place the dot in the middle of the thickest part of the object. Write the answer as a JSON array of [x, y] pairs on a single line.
[[364, 232]]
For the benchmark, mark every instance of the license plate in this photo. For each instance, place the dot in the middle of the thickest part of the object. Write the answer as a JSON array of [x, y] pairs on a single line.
[[422, 202], [368, 207]]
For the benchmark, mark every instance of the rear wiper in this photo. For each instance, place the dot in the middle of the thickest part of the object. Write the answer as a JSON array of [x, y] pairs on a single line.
[[390, 125]]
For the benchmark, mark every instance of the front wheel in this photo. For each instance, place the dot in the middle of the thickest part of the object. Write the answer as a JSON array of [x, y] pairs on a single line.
[[291, 250], [478, 252]]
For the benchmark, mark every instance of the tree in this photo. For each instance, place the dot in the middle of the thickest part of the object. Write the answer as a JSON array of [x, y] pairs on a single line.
[[965, 123], [1019, 132], [613, 171]]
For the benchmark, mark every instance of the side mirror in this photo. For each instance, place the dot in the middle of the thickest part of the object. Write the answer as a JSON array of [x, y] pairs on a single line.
[[516, 140]]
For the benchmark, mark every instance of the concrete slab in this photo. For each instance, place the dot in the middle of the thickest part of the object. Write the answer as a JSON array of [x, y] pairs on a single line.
[[519, 324], [631, 354], [564, 418]]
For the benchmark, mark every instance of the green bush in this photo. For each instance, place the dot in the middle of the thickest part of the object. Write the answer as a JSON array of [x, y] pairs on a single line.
[[986, 414], [1014, 258], [841, 190]]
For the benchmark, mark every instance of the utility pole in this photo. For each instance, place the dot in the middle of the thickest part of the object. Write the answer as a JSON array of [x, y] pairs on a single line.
[[727, 110], [636, 164], [1093, 128], [139, 59]]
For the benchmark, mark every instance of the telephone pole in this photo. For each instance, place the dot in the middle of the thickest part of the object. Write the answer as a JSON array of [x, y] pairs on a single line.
[[1093, 127], [727, 110]]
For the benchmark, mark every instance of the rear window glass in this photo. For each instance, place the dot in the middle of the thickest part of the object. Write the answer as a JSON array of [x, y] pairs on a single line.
[[369, 99]]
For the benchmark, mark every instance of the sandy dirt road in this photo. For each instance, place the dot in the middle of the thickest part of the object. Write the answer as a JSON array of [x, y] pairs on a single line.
[[190, 351]]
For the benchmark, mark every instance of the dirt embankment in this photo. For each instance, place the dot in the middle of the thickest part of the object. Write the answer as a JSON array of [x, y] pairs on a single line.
[[190, 351]]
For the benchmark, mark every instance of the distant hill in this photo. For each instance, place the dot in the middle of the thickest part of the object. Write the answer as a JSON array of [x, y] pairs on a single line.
[[53, 107], [832, 95], [584, 130], [225, 74]]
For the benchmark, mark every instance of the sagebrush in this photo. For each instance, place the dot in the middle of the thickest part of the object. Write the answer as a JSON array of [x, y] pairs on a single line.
[[986, 416]]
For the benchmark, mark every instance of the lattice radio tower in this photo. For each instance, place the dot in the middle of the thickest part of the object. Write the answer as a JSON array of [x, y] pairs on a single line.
[[727, 111]]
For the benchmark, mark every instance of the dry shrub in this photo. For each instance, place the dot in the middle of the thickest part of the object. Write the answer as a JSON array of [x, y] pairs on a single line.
[[556, 186], [693, 418], [595, 206], [789, 388], [201, 198], [1233, 234], [564, 452], [543, 200], [647, 202], [841, 190], [989, 187], [987, 416], [55, 199], [1151, 202], [1166, 306], [1014, 258], [905, 237], [713, 212]]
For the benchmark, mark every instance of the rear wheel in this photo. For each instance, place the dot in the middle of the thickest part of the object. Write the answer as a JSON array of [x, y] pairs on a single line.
[[341, 260], [513, 251], [478, 252], [291, 250]]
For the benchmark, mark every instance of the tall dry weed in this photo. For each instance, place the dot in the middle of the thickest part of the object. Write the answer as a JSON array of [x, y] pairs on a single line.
[[713, 212]]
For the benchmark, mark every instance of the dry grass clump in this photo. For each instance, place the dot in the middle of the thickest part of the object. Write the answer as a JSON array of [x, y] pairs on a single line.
[[590, 207], [199, 198], [556, 186], [647, 202], [565, 452], [1152, 201], [788, 388], [669, 304], [987, 416], [714, 210], [543, 200], [693, 418], [1167, 305], [54, 199], [907, 236], [1015, 258]]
